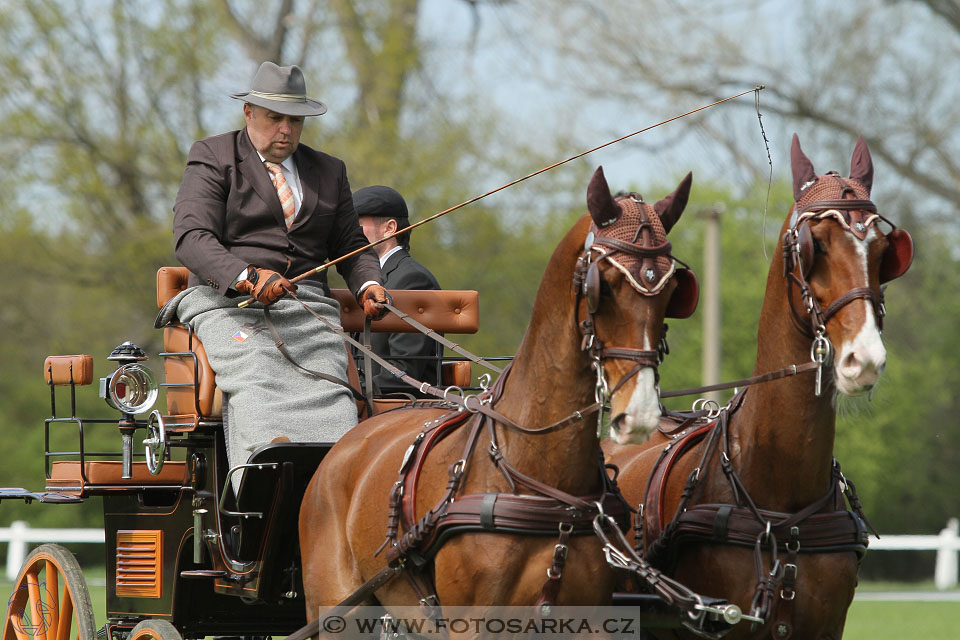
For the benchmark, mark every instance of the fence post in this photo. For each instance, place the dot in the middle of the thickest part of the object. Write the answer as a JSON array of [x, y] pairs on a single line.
[[945, 573], [17, 548]]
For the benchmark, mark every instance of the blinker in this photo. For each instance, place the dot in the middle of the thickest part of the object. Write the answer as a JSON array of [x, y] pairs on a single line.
[[683, 301], [898, 255], [592, 288]]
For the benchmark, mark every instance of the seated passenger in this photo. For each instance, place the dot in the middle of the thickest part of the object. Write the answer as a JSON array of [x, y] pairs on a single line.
[[382, 212], [254, 209]]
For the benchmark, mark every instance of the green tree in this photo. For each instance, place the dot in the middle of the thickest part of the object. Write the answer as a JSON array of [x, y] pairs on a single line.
[[104, 98]]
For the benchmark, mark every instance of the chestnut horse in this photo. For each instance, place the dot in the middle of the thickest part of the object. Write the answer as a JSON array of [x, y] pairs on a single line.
[[755, 496], [601, 303]]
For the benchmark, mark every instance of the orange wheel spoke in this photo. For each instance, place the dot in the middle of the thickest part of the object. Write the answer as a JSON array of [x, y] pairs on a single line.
[[17, 631], [35, 608], [53, 588], [66, 616]]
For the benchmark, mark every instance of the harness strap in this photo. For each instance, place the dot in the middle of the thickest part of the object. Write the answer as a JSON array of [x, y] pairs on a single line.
[[281, 346], [824, 205], [786, 372], [816, 533], [367, 364], [847, 298], [439, 338], [551, 588], [627, 247], [782, 627]]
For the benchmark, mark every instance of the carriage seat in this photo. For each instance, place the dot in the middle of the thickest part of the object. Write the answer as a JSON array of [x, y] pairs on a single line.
[[67, 477], [105, 475], [186, 367]]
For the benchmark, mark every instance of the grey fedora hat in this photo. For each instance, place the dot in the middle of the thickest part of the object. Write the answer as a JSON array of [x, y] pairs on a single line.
[[281, 89]]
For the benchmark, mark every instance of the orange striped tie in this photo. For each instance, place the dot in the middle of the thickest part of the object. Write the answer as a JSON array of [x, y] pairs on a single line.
[[283, 191]]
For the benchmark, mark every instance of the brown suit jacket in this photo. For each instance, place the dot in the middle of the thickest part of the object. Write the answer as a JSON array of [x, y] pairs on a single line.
[[228, 216]]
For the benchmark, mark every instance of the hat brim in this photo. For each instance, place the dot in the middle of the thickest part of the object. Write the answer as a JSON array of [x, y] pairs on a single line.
[[309, 107]]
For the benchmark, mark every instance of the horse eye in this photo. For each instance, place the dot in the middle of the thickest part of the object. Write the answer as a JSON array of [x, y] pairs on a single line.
[[605, 289], [818, 246]]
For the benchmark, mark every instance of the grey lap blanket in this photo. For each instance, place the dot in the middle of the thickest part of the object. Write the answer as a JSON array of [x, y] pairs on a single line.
[[264, 394]]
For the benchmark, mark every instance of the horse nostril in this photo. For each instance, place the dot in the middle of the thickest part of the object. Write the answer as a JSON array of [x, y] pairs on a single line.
[[850, 362]]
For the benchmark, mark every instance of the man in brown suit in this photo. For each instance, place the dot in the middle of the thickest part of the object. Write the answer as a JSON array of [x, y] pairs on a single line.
[[255, 208]]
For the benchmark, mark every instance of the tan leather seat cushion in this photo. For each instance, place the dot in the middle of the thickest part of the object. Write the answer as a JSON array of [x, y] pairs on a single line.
[[66, 473], [64, 369]]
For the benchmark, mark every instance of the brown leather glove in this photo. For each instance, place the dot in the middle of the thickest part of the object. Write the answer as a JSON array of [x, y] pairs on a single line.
[[264, 285], [372, 300]]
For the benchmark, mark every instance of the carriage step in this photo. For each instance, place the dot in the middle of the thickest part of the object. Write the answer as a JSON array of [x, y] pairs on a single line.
[[203, 573], [16, 493]]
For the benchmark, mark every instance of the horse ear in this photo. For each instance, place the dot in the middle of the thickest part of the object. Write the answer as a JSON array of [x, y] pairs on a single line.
[[601, 205], [670, 208], [861, 166], [802, 168]]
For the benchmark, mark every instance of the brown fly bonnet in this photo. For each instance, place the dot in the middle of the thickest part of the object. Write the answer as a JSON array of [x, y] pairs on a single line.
[[847, 200], [632, 236]]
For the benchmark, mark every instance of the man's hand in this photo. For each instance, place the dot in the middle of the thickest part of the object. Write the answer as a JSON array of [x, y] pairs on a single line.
[[264, 285], [372, 300]]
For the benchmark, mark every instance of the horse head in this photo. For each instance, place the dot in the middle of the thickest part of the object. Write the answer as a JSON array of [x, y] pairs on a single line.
[[629, 283], [835, 260]]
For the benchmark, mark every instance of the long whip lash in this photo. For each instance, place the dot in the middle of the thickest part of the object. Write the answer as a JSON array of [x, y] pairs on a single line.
[[347, 256]]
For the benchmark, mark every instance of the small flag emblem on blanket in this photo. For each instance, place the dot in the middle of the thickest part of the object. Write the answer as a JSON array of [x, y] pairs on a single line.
[[240, 336]]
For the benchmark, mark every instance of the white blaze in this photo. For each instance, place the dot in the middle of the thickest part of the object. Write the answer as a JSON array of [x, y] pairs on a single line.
[[642, 414], [861, 360]]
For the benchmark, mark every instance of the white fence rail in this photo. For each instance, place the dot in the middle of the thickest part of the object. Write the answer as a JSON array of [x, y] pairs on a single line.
[[946, 544], [20, 533]]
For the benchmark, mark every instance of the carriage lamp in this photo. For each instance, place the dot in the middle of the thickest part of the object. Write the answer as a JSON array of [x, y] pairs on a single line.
[[131, 389]]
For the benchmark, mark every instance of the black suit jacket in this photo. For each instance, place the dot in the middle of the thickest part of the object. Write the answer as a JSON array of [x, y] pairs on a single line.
[[401, 271], [227, 216]]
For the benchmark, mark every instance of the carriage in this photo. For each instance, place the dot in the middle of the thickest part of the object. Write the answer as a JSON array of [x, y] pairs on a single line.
[[186, 555]]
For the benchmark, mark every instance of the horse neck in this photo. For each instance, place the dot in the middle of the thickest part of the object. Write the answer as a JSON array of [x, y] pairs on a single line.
[[783, 433], [550, 379]]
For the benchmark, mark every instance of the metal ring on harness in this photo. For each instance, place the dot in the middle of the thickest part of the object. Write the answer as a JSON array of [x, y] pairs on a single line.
[[712, 407], [447, 391], [466, 403]]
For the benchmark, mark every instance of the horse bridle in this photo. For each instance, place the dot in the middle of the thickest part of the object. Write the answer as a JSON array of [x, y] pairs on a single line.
[[587, 286], [856, 216]]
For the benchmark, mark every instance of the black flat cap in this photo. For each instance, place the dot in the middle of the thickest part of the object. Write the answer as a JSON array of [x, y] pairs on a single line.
[[380, 202]]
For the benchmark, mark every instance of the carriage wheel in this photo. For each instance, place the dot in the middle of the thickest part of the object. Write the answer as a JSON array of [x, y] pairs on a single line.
[[50, 599], [154, 630]]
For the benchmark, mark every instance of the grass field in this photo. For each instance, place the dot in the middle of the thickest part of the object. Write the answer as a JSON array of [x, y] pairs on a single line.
[[866, 620], [884, 620]]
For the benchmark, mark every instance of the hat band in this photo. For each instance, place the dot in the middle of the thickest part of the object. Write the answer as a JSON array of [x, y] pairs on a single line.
[[280, 97]]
